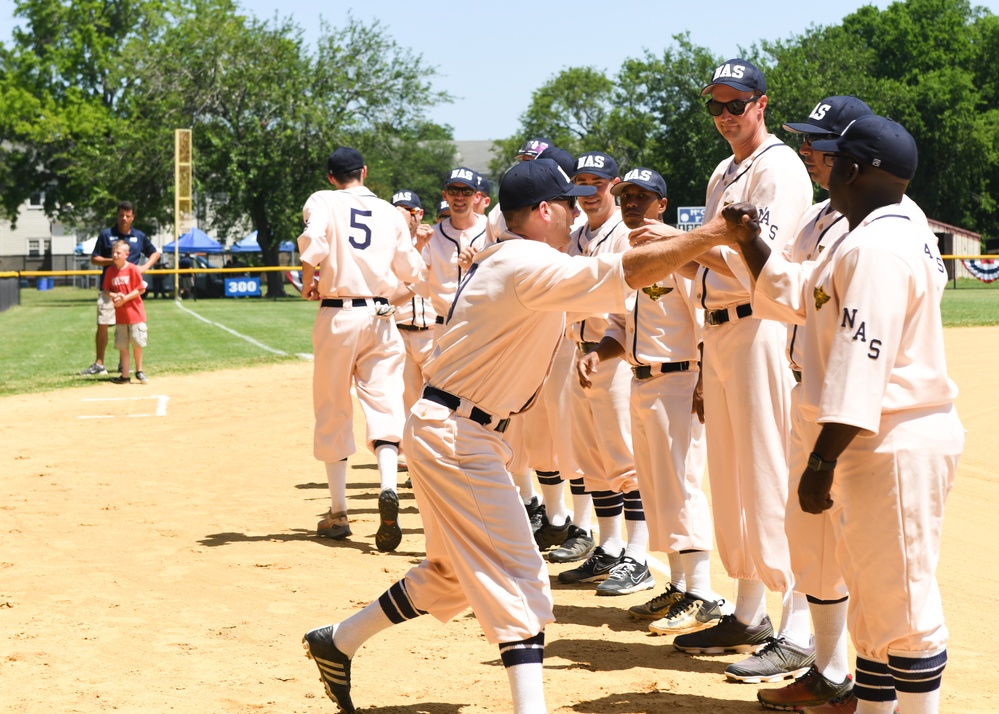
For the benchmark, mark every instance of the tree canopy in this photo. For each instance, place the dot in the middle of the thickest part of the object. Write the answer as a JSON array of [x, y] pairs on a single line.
[[928, 64]]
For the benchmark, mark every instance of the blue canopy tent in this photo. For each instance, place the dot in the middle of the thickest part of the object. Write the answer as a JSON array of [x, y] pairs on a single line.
[[196, 241], [250, 245]]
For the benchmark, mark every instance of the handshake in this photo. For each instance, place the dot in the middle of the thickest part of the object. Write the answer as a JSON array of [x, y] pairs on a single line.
[[742, 222]]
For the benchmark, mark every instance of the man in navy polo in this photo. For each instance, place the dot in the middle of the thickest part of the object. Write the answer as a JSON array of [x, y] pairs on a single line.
[[139, 245]]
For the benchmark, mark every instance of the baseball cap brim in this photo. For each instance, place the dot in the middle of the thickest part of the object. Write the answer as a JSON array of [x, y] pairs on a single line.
[[617, 188], [827, 146], [728, 83], [807, 129]]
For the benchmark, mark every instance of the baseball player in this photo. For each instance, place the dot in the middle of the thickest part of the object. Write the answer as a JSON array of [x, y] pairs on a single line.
[[364, 250], [139, 245], [747, 393], [414, 315], [443, 211], [810, 538], [454, 241], [480, 548], [601, 418], [659, 336], [875, 385]]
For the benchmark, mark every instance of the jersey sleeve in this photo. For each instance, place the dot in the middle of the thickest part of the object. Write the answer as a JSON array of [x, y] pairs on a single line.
[[872, 287], [313, 243], [561, 283], [780, 290]]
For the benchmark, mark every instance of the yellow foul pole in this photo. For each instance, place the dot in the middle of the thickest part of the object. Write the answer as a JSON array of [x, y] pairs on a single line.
[[182, 203]]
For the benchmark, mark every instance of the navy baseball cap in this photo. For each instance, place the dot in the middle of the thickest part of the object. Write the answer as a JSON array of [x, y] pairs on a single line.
[[462, 176], [878, 142], [531, 182], [443, 209], [343, 160], [406, 198], [831, 116], [561, 157], [740, 74], [597, 163], [644, 178], [484, 184], [534, 147]]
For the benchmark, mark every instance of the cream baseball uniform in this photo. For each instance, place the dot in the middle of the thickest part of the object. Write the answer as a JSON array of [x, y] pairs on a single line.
[[660, 333], [601, 415], [415, 319], [746, 381], [441, 256], [874, 359], [363, 250], [503, 330], [778, 296]]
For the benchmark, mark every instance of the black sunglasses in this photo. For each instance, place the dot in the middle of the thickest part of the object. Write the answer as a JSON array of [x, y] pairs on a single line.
[[737, 107], [455, 191]]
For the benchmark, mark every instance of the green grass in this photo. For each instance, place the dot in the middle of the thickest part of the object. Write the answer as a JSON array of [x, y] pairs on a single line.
[[50, 337]]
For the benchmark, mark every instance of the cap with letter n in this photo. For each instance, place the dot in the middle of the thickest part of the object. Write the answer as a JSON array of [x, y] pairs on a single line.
[[879, 142], [531, 182], [561, 157], [532, 148], [645, 179], [343, 160], [406, 198], [597, 163], [462, 176], [739, 74], [831, 116]]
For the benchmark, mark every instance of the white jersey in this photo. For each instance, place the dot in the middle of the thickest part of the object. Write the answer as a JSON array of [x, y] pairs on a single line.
[[508, 316], [361, 243], [662, 324], [873, 340], [776, 182], [610, 238], [441, 256], [778, 295]]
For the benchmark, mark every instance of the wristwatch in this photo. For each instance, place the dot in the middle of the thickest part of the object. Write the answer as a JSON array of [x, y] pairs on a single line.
[[816, 463]]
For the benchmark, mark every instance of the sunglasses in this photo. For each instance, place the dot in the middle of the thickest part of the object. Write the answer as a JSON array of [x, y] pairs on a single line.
[[459, 191], [737, 107], [830, 159], [411, 211]]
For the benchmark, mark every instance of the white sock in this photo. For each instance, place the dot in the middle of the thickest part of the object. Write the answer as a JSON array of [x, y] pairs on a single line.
[[750, 602], [829, 624], [794, 624], [677, 578], [638, 540], [523, 481], [697, 566], [865, 706], [610, 534], [554, 495], [388, 465], [527, 688], [357, 629], [582, 511], [336, 476], [918, 703]]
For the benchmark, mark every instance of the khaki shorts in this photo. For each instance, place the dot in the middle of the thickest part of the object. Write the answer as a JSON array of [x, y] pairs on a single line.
[[124, 335], [105, 310]]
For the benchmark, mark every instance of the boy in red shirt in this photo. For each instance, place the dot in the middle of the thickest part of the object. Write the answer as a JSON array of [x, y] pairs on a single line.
[[124, 285]]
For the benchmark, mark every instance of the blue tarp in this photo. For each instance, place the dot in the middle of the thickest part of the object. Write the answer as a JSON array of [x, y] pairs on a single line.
[[197, 241], [250, 245]]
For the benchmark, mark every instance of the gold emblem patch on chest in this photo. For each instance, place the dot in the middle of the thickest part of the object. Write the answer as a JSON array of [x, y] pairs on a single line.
[[820, 297], [655, 291]]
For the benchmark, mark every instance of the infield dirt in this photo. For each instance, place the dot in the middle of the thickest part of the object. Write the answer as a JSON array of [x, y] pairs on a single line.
[[157, 555]]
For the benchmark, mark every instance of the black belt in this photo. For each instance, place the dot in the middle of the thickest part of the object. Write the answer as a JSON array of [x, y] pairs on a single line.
[[410, 328], [797, 374], [356, 302], [720, 317], [585, 347], [645, 371], [439, 319], [452, 402]]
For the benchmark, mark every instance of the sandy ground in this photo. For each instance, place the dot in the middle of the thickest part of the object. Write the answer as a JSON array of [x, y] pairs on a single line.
[[156, 555]]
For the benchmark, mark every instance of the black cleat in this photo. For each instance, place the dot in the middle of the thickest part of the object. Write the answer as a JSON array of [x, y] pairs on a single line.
[[334, 666], [389, 534]]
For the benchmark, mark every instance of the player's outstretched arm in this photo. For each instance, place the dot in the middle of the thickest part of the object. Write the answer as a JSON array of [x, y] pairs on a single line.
[[654, 260], [743, 222]]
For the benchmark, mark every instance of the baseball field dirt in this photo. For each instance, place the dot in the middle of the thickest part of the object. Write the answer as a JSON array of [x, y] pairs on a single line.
[[157, 555]]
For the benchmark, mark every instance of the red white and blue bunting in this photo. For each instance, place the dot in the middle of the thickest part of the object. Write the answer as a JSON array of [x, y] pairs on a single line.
[[986, 270]]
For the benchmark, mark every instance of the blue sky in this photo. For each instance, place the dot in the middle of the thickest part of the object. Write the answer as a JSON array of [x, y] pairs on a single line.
[[491, 61]]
